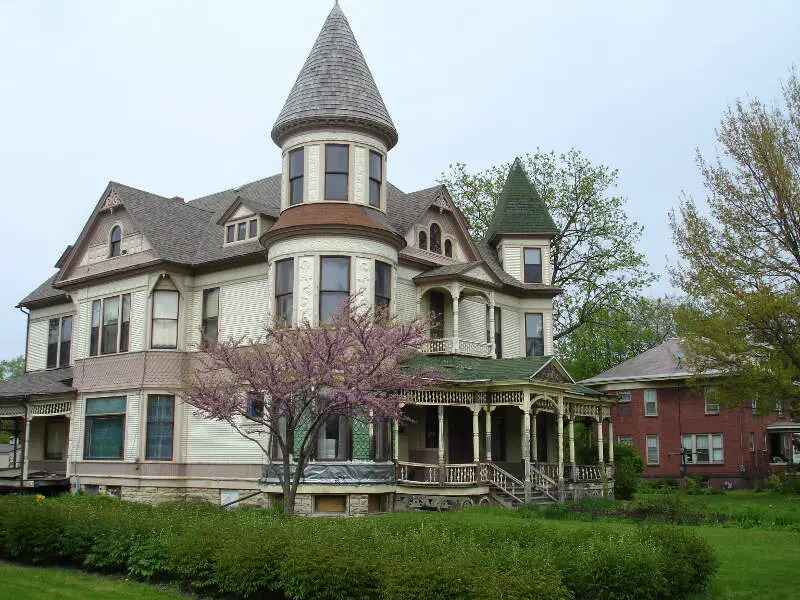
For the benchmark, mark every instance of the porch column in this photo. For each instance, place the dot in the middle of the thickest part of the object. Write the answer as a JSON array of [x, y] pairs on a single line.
[[455, 293], [560, 434], [492, 332], [441, 444], [476, 433], [571, 430], [395, 440], [534, 442], [489, 433], [600, 441], [610, 442], [26, 446], [526, 445]]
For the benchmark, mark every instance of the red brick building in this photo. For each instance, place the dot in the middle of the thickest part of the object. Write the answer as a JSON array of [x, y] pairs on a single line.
[[672, 423]]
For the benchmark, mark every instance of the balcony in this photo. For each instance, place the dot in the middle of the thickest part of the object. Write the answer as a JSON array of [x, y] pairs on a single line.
[[457, 346]]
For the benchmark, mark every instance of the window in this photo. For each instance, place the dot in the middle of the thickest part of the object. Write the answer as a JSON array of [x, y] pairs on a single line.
[[336, 170], [624, 396], [778, 408], [230, 233], [625, 439], [375, 178], [284, 291], [59, 342], [241, 231], [334, 287], [296, 168], [333, 437], [383, 285], [752, 440], [448, 248], [160, 421], [111, 321], [436, 301], [652, 449], [65, 347], [710, 395], [115, 243], [210, 322], [702, 447], [533, 265], [498, 338], [165, 319], [105, 426], [534, 335], [423, 240], [55, 438], [436, 238], [754, 405], [381, 440], [253, 228], [651, 403], [431, 427], [255, 405]]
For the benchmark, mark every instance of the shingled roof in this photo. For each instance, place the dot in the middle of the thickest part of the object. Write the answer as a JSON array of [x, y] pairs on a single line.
[[38, 383], [519, 208], [335, 86], [665, 361]]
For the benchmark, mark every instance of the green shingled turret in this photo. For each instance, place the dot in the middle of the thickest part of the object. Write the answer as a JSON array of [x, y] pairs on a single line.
[[519, 208]]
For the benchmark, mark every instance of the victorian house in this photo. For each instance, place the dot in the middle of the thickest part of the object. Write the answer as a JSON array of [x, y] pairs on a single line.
[[112, 334]]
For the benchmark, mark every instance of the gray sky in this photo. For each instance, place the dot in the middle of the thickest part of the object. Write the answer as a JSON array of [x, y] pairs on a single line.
[[178, 98]]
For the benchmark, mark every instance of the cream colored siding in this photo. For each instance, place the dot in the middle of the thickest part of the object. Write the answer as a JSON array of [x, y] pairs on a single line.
[[139, 318], [38, 328], [217, 441], [547, 321], [472, 320], [511, 334], [244, 310], [133, 416], [76, 428], [512, 261], [406, 296]]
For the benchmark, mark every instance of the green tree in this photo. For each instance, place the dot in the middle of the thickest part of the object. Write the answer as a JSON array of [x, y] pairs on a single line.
[[616, 334], [594, 255], [13, 367], [740, 255], [628, 469]]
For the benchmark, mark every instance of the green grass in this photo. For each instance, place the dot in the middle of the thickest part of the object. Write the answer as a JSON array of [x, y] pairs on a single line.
[[769, 507], [35, 583]]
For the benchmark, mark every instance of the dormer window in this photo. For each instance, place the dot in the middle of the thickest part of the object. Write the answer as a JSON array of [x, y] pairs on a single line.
[[115, 245], [375, 178], [423, 240], [436, 238], [336, 171], [533, 265], [296, 167], [241, 231], [448, 248]]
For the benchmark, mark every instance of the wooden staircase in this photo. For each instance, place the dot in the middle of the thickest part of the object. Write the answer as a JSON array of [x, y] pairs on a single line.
[[509, 491]]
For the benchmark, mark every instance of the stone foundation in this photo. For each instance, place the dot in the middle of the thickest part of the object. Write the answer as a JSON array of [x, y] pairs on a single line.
[[162, 495]]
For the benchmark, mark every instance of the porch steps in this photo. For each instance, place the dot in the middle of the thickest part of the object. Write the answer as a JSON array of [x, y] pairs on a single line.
[[509, 492]]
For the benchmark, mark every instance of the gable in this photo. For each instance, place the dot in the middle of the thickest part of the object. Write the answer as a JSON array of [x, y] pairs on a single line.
[[442, 211], [480, 272]]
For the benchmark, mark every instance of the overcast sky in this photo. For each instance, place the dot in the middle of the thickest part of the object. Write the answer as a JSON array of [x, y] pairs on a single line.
[[178, 98]]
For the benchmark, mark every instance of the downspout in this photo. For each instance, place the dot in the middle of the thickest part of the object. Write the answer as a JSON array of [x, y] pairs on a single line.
[[24, 451], [27, 314]]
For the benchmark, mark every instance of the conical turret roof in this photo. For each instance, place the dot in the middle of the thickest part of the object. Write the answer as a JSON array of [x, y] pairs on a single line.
[[519, 208], [335, 87]]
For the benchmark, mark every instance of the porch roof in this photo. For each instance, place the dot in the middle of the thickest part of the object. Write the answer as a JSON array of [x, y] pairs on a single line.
[[38, 383], [471, 368]]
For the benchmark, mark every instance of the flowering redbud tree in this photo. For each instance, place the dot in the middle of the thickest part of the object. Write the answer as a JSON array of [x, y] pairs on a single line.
[[279, 391]]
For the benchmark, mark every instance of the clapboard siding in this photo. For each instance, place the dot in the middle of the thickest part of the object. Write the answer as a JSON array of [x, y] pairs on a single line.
[[472, 320], [133, 428], [217, 441], [244, 309], [511, 333], [406, 295]]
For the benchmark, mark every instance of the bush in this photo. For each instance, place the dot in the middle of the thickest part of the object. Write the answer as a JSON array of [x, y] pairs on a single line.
[[628, 468], [472, 554]]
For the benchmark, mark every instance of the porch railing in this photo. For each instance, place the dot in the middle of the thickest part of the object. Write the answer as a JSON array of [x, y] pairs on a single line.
[[578, 473], [473, 348], [417, 473], [466, 474], [456, 346], [544, 476], [439, 346]]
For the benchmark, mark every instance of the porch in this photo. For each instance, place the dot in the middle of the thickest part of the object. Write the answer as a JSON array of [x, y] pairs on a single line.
[[455, 309]]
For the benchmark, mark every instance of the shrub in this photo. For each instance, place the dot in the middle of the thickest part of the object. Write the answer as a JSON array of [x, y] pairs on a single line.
[[628, 468]]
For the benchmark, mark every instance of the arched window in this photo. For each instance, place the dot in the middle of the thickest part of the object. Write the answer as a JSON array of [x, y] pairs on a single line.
[[448, 248], [423, 240], [116, 243], [436, 238]]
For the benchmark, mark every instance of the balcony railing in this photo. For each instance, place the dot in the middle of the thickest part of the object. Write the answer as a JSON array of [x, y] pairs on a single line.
[[456, 346], [543, 475]]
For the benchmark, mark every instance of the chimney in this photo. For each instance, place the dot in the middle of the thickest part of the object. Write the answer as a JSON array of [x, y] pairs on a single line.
[[179, 199]]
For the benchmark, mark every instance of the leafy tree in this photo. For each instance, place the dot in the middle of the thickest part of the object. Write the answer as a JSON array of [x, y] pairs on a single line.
[[741, 255], [616, 334], [287, 386], [594, 255], [13, 367], [628, 469]]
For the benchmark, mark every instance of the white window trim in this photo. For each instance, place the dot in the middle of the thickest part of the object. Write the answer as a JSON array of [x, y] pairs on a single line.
[[708, 407], [655, 396], [647, 450], [710, 437], [236, 223], [624, 396], [625, 439]]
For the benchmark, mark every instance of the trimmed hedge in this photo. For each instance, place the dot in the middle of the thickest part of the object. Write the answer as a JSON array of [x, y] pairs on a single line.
[[473, 554]]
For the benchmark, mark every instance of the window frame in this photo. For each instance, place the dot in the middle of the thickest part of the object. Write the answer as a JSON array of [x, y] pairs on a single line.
[[233, 230], [324, 291], [385, 302], [294, 177], [422, 240], [648, 448], [525, 265], [708, 407], [153, 319], [278, 295], [101, 416], [710, 438], [448, 247], [205, 320], [115, 245], [346, 173], [438, 238], [624, 396], [255, 404], [96, 330], [654, 402], [53, 329], [373, 179], [625, 439], [345, 429], [529, 337], [149, 422]]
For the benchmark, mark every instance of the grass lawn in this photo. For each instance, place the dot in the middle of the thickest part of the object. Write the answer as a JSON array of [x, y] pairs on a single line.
[[36, 583], [769, 507]]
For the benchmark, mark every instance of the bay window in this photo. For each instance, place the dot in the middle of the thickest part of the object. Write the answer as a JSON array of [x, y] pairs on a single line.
[[534, 334], [381, 440], [334, 286], [105, 428], [296, 169], [334, 435], [59, 342], [284, 292], [111, 321], [337, 164], [375, 178], [210, 322], [164, 332], [383, 285], [160, 427]]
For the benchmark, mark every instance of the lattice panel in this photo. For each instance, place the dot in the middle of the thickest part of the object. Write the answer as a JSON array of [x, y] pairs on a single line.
[[51, 408], [361, 442], [443, 397], [506, 397], [12, 411], [585, 410]]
